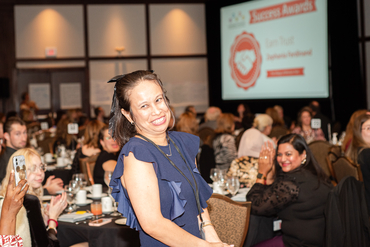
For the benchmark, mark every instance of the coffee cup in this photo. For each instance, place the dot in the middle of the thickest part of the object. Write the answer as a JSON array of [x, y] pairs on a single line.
[[60, 161], [106, 204], [96, 190], [48, 157], [81, 196]]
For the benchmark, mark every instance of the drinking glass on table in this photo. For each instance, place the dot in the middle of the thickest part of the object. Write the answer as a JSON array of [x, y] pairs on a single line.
[[71, 189], [81, 179], [233, 185], [214, 174], [222, 180], [107, 178], [96, 209]]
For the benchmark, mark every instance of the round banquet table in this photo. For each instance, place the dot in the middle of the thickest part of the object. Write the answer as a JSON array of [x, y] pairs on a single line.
[[110, 234]]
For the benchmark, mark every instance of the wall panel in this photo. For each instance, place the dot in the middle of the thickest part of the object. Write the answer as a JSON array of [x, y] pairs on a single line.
[[112, 26], [177, 29], [41, 26]]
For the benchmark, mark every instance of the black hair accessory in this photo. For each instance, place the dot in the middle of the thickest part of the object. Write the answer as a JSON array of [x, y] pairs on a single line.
[[112, 119]]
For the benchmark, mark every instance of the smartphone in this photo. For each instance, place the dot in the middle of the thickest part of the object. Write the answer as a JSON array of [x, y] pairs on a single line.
[[19, 165], [100, 222]]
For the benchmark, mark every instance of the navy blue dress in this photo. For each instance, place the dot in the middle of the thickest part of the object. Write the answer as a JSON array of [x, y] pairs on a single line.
[[176, 195]]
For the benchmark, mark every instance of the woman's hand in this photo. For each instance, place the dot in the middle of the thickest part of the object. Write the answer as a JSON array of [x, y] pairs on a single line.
[[13, 202], [57, 205], [266, 159], [53, 185]]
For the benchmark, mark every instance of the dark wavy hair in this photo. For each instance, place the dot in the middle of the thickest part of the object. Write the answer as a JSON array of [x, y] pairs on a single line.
[[299, 144], [122, 129]]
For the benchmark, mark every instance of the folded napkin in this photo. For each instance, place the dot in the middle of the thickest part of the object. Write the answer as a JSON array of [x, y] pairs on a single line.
[[73, 217], [241, 196]]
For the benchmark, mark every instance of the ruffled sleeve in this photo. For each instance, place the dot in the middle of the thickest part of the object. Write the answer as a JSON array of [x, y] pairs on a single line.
[[189, 145], [119, 193]]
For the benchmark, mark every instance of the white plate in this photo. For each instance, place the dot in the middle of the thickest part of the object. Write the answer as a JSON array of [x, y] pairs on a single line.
[[99, 197], [50, 161], [46, 198], [107, 212], [87, 202], [121, 221]]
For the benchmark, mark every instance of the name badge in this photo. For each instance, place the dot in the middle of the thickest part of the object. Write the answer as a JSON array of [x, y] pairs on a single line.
[[316, 123]]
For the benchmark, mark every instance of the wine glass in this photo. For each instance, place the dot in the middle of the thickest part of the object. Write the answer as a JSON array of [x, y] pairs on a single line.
[[222, 180], [233, 185], [71, 189], [214, 174], [107, 178], [79, 177]]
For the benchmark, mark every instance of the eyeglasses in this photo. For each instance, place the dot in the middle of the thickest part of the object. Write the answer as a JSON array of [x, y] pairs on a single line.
[[367, 128], [42, 167]]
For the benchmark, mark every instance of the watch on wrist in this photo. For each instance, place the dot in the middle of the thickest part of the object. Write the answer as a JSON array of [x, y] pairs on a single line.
[[260, 176]]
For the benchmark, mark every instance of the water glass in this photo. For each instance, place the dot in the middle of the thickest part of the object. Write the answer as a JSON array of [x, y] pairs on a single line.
[[233, 185]]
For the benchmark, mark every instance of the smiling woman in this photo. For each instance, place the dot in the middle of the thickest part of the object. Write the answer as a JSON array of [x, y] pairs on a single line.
[[297, 195], [156, 181]]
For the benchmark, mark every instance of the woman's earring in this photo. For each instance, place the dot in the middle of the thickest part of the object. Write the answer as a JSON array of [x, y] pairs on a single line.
[[304, 160], [132, 123]]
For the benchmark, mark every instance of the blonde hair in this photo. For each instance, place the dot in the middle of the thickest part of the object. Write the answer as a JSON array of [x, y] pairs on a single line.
[[262, 121], [27, 153]]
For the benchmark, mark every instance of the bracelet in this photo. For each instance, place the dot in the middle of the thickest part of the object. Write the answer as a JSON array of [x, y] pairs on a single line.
[[47, 229], [207, 223], [56, 222]]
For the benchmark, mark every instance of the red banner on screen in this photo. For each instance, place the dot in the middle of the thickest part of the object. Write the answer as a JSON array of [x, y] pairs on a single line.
[[282, 10], [285, 72]]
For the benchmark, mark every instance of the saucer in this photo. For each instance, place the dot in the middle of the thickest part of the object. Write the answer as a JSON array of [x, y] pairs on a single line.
[[98, 197], [87, 202], [121, 221]]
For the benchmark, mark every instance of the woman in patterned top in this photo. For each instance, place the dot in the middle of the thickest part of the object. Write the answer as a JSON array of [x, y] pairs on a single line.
[[224, 142]]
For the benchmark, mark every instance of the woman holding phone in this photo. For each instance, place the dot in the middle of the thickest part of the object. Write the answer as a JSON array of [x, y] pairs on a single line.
[[35, 171]]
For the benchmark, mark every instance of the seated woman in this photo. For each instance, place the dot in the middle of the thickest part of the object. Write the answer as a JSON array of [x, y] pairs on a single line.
[[297, 195], [90, 144], [224, 142], [107, 158], [304, 127], [187, 123], [262, 127], [246, 166], [349, 129], [359, 150], [35, 176]]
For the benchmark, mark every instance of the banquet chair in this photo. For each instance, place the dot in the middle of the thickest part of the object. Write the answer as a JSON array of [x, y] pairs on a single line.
[[87, 167], [334, 153], [346, 215], [40, 237], [344, 167], [230, 218], [320, 150]]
